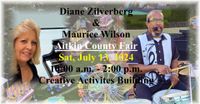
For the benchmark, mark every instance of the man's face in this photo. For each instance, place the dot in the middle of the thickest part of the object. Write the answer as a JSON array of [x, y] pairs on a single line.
[[155, 24]]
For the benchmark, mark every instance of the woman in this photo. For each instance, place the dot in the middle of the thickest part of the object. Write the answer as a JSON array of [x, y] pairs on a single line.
[[26, 51], [26, 47]]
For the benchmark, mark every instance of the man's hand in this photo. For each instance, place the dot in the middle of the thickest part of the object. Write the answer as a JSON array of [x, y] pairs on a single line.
[[174, 79], [162, 69]]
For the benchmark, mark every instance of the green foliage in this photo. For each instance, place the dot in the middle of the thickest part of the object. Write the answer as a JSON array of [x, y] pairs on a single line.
[[135, 22], [176, 14]]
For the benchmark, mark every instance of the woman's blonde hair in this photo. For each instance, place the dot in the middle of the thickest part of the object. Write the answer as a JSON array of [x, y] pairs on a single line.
[[24, 26]]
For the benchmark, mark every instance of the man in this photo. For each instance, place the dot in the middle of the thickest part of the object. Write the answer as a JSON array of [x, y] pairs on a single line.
[[156, 56]]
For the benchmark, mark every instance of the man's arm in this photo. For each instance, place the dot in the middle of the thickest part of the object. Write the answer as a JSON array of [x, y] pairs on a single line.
[[138, 62], [174, 63], [174, 77], [175, 55]]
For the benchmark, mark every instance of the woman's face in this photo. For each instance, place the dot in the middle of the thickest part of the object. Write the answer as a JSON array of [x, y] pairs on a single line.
[[25, 46]]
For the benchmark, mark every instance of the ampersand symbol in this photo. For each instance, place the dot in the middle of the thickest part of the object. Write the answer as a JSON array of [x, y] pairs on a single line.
[[96, 22]]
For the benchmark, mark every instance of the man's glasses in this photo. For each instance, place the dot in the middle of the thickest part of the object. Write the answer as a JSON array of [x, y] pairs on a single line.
[[156, 20]]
